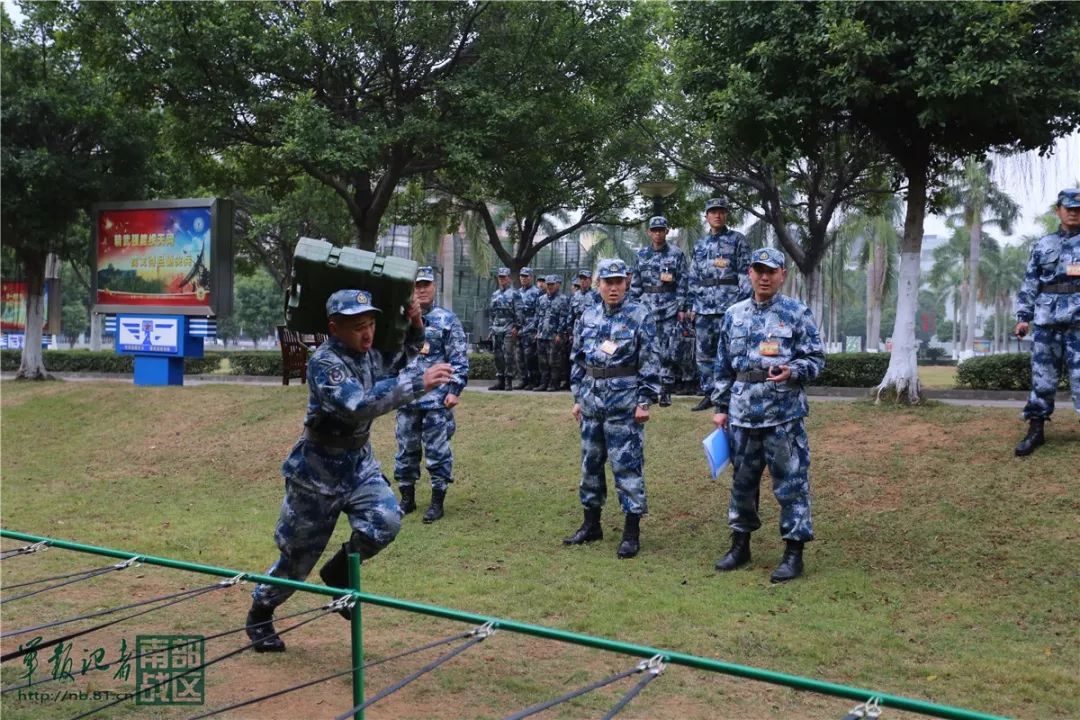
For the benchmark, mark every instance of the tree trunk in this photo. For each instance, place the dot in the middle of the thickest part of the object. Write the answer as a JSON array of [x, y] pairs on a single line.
[[32, 366], [956, 327], [815, 291], [902, 375], [875, 291], [95, 331], [973, 279]]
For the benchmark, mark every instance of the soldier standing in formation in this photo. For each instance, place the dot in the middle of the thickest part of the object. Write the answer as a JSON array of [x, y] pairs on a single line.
[[1049, 299], [428, 424], [768, 348], [552, 335], [525, 331], [614, 379], [331, 469], [659, 279], [718, 279], [502, 309], [584, 297]]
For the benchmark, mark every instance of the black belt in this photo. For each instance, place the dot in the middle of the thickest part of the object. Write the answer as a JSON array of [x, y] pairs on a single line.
[[1061, 288], [601, 373], [656, 289], [721, 281], [752, 376], [353, 442]]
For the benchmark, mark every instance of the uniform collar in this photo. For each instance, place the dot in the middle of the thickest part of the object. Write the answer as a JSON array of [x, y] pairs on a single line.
[[342, 349], [718, 233], [614, 309], [1063, 233], [768, 303]]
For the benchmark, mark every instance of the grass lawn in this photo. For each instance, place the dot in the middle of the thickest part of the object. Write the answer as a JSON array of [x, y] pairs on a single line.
[[938, 377], [944, 569]]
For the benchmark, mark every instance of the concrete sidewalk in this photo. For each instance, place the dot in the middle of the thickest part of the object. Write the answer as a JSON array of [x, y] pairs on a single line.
[[983, 398]]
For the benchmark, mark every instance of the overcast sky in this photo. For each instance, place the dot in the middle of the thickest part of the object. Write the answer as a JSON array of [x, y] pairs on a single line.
[[1032, 181]]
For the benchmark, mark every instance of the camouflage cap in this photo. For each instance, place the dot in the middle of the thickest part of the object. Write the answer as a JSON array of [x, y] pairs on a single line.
[[1069, 198], [769, 257], [611, 267], [425, 274], [527, 271], [711, 203], [584, 273], [503, 272], [657, 221], [350, 302], [554, 279]]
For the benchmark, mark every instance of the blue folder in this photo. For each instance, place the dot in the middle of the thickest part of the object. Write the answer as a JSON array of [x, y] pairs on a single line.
[[717, 451]]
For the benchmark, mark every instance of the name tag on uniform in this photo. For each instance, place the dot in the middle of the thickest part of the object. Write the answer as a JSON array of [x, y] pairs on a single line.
[[769, 348], [666, 277], [720, 262], [426, 348], [1073, 269], [608, 347]]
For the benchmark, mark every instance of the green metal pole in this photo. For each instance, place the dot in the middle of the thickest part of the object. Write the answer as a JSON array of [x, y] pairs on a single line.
[[357, 639], [675, 658]]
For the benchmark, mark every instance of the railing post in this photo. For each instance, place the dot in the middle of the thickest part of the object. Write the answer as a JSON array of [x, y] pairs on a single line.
[[357, 638]]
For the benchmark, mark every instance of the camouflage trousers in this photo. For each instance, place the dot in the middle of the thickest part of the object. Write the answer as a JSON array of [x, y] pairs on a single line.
[[553, 362], [1053, 346], [503, 347], [785, 449], [707, 333], [528, 368], [686, 362], [307, 521], [431, 431], [668, 339], [622, 440]]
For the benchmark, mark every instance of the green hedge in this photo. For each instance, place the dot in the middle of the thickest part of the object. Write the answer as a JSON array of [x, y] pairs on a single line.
[[103, 361], [1010, 371], [853, 370], [256, 362]]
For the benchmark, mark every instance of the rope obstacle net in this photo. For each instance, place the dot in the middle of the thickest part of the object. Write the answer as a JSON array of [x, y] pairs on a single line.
[[652, 664]]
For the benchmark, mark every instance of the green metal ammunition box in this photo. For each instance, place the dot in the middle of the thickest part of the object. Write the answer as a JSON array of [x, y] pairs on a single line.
[[321, 269]]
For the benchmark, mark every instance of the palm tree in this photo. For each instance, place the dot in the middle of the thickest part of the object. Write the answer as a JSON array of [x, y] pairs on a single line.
[[980, 202], [1003, 269], [875, 240]]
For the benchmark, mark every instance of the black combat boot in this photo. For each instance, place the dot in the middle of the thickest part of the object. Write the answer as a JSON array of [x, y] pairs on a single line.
[[665, 396], [1033, 439], [260, 629], [630, 544], [790, 566], [705, 404], [509, 385], [408, 498], [738, 555], [589, 531], [499, 385], [335, 573], [523, 385], [435, 509]]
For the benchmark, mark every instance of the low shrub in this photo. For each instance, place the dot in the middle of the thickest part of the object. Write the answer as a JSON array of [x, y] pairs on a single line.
[[1007, 371], [853, 370]]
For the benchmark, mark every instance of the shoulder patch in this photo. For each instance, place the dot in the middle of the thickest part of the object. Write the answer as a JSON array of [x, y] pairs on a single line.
[[336, 376]]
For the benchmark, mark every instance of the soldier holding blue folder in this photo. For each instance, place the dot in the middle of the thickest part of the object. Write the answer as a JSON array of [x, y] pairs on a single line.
[[768, 348]]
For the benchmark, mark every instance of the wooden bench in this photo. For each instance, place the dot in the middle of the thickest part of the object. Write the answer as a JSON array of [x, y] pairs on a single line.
[[295, 349]]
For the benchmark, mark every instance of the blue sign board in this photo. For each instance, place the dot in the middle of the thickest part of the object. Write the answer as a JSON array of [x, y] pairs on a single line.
[[159, 343]]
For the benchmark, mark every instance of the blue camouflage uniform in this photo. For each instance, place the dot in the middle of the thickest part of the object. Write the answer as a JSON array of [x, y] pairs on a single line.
[[427, 423], [502, 313], [718, 279], [526, 324], [615, 369], [1049, 299], [553, 331], [332, 469], [579, 301], [765, 417], [659, 281]]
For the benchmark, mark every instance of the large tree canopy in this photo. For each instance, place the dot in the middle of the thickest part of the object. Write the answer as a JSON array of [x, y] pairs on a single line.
[[930, 82], [69, 139]]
